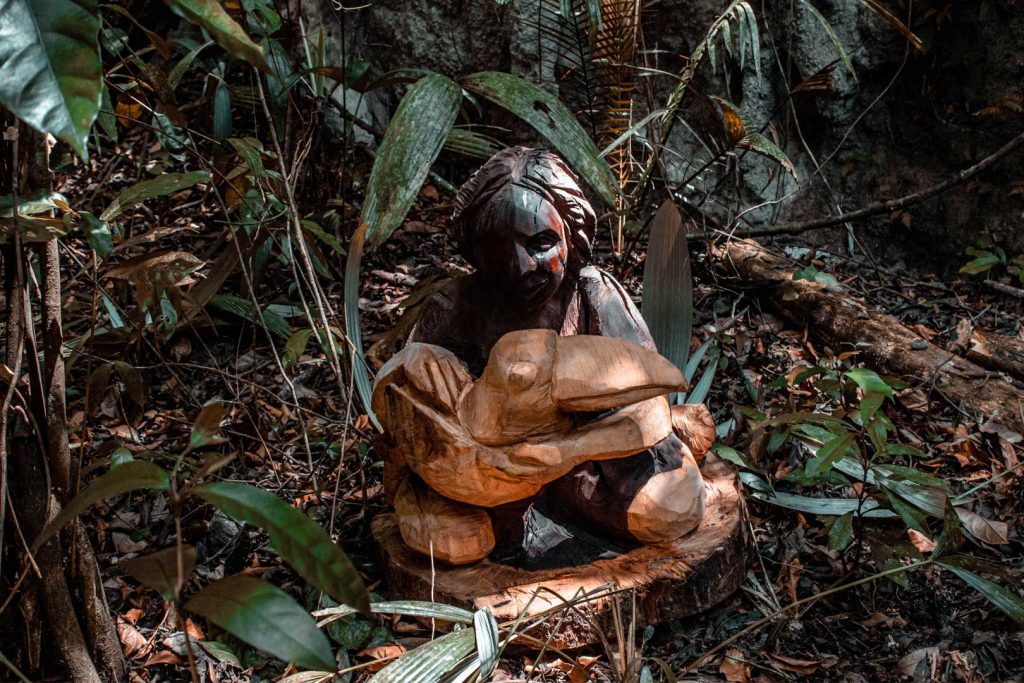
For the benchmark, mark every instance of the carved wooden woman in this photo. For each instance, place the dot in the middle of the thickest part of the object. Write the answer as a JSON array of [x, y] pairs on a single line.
[[529, 408]]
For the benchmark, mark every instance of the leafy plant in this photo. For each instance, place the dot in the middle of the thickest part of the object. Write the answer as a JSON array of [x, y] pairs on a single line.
[[855, 450], [988, 255], [250, 609]]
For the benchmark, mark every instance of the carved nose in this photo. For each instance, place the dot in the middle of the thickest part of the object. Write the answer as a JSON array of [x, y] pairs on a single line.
[[525, 264]]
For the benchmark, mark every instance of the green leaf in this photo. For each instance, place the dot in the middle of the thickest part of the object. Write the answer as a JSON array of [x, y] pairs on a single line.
[[265, 617], [841, 532], [207, 426], [296, 538], [486, 628], [130, 476], [730, 454], [211, 16], [411, 144], [428, 663], [554, 121], [759, 144], [832, 36], [869, 381], [221, 652], [162, 185], [703, 387], [159, 569], [667, 304], [831, 507], [50, 71], [97, 233], [827, 455], [470, 143], [295, 347], [1003, 598], [360, 370], [983, 262], [409, 608], [951, 537]]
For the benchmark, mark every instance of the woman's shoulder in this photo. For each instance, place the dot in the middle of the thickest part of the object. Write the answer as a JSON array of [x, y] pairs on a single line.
[[611, 311]]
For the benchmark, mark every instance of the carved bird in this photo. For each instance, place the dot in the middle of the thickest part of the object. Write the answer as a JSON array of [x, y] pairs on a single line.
[[544, 404]]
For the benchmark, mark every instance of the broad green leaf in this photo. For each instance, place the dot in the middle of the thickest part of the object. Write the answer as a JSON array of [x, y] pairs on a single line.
[[265, 617], [34, 204], [429, 663], [50, 71], [549, 116], [221, 652], [295, 347], [730, 454], [130, 476], [1003, 598], [700, 390], [841, 532], [984, 261], [667, 304], [759, 144], [412, 142], [831, 507], [244, 308], [296, 538], [97, 233], [869, 381], [211, 16], [162, 185], [159, 570], [828, 454]]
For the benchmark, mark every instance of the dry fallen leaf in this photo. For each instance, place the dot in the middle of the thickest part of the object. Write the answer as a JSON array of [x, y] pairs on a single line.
[[734, 667], [908, 665], [804, 667], [164, 657], [133, 643], [983, 529], [381, 654], [920, 541]]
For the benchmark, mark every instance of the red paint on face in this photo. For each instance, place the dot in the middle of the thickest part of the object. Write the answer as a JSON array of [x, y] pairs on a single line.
[[525, 256]]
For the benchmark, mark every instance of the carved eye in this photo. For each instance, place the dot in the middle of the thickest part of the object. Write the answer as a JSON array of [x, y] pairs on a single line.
[[543, 241], [521, 375]]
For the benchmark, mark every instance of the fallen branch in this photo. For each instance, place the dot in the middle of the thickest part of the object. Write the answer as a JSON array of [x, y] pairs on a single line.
[[989, 350], [884, 343], [1008, 290], [878, 208]]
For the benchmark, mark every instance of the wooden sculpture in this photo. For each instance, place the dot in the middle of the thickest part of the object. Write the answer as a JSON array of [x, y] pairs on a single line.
[[530, 406]]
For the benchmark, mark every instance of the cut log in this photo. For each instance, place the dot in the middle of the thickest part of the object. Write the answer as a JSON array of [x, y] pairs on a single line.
[[671, 581], [884, 343]]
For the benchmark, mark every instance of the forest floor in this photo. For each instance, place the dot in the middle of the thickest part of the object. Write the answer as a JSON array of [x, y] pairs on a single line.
[[300, 439]]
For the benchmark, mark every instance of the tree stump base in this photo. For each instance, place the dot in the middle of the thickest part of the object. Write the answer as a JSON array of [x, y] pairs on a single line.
[[671, 581]]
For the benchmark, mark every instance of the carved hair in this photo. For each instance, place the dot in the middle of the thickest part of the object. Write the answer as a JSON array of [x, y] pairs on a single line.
[[538, 171]]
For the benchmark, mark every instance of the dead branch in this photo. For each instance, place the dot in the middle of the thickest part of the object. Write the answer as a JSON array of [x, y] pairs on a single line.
[[880, 207]]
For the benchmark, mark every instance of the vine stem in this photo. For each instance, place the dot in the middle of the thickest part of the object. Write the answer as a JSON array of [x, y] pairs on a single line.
[[793, 605]]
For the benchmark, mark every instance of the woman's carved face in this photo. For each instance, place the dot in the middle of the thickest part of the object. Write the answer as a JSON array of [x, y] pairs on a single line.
[[524, 253]]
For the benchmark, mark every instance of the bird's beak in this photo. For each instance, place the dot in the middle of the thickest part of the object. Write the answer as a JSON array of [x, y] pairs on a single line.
[[601, 373]]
